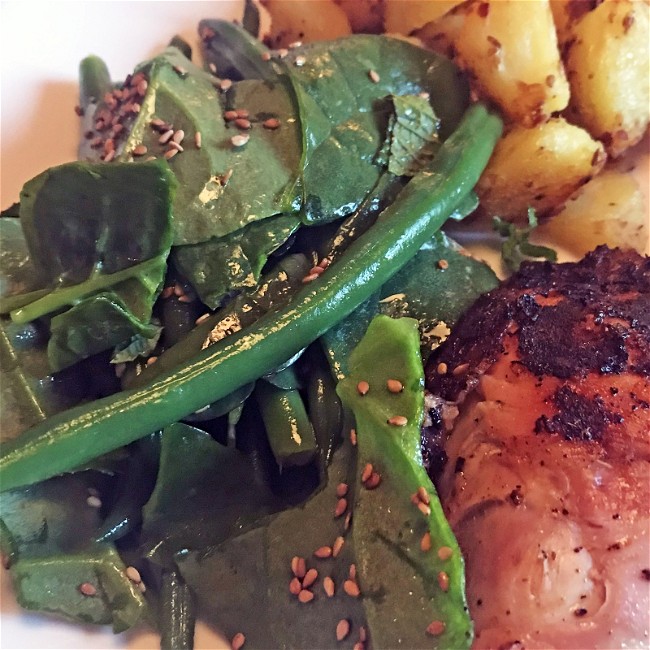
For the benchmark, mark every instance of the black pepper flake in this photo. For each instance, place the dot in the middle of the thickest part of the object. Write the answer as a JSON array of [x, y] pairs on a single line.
[[616, 546], [516, 496], [645, 574], [581, 611], [460, 464]]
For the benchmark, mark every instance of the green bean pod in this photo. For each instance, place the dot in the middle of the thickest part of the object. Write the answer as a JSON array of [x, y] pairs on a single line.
[[71, 438], [177, 616]]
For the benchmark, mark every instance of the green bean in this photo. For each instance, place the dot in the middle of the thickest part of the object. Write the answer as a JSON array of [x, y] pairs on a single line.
[[177, 616], [71, 438]]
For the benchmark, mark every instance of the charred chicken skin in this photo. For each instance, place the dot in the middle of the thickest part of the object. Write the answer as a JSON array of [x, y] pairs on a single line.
[[538, 439]]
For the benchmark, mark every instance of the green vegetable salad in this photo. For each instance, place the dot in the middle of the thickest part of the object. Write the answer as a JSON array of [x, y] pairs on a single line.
[[213, 334]]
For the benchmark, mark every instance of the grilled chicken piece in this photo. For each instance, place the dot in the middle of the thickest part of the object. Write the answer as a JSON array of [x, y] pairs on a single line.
[[539, 439]]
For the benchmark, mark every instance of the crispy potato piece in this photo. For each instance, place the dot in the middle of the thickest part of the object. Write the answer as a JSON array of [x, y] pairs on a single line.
[[440, 35], [610, 209], [566, 13], [539, 168], [315, 20], [509, 48], [365, 16], [607, 65], [405, 16]]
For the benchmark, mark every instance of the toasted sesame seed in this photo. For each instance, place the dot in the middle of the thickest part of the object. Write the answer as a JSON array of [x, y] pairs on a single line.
[[141, 587], [242, 123], [166, 136], [140, 150], [94, 501], [95, 143], [87, 589], [310, 577], [324, 263], [142, 87], [323, 552], [298, 566], [445, 552], [226, 177], [435, 628], [363, 387], [423, 495], [398, 421], [359, 646], [310, 278], [300, 60], [328, 586], [337, 547], [282, 52], [242, 112], [225, 84], [167, 292], [351, 588], [424, 509], [341, 489], [443, 264], [442, 368], [294, 586], [134, 107], [394, 386], [353, 437], [425, 542], [443, 581], [374, 77], [133, 574], [197, 139], [459, 370], [366, 473], [348, 521], [151, 361], [272, 123], [342, 629], [363, 635], [178, 289], [109, 156], [341, 507], [180, 70], [202, 318], [266, 56], [305, 596], [424, 95], [295, 44], [157, 123], [117, 129], [238, 641], [178, 136], [240, 140], [352, 572], [229, 116], [170, 153], [373, 481], [175, 146], [212, 67]]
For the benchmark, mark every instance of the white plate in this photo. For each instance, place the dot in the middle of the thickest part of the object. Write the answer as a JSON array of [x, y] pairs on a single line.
[[41, 44]]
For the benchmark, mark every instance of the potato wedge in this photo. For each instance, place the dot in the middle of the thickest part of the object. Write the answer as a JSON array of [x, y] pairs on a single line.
[[510, 49], [607, 65], [405, 16], [539, 168], [365, 16], [315, 20], [610, 209], [566, 13]]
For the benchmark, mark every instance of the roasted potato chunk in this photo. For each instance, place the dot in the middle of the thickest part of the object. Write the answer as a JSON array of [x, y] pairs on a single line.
[[510, 50], [539, 168], [607, 66], [405, 16], [316, 20], [365, 16], [610, 209]]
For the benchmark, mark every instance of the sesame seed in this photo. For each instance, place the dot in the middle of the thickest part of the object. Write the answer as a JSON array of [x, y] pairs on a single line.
[[95, 143], [397, 421], [180, 70], [87, 589], [359, 646], [140, 150], [423, 495], [212, 67], [238, 641], [242, 112], [324, 263], [240, 140], [295, 587], [157, 123], [328, 586], [134, 107], [362, 634], [341, 507], [197, 139], [266, 56], [348, 520], [176, 146], [133, 574], [282, 52], [295, 44], [341, 489], [366, 473], [373, 481], [353, 437], [225, 84], [374, 77], [363, 387], [424, 95], [298, 566], [337, 547], [178, 136], [310, 577], [323, 552], [310, 278], [300, 60], [425, 542], [202, 318], [94, 502], [167, 292], [229, 116], [109, 156], [142, 87], [424, 509], [242, 123], [394, 386], [170, 153], [141, 587], [442, 368], [305, 596], [445, 552], [166, 136], [342, 629], [443, 264], [351, 588], [443, 581], [226, 177], [352, 572], [436, 628], [272, 123], [151, 361], [459, 370]]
